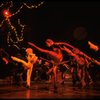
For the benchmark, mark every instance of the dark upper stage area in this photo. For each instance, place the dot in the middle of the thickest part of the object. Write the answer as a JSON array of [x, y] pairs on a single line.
[[74, 22]]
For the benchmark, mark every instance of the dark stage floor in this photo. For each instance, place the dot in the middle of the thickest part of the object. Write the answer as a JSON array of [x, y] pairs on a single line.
[[43, 90]]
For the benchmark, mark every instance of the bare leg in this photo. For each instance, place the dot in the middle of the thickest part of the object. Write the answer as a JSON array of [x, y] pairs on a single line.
[[55, 76], [28, 80], [89, 76], [50, 70], [83, 77]]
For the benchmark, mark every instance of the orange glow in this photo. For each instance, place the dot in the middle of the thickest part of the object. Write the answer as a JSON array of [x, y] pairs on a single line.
[[28, 94], [93, 46], [6, 13]]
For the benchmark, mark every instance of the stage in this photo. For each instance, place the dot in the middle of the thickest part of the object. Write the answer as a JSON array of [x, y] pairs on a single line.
[[42, 90]]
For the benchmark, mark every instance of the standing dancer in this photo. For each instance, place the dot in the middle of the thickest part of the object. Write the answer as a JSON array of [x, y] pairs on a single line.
[[55, 55], [77, 51], [82, 65], [31, 60]]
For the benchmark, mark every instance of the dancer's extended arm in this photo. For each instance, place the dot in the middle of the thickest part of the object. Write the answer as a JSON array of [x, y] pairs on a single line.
[[93, 46], [51, 53], [64, 43]]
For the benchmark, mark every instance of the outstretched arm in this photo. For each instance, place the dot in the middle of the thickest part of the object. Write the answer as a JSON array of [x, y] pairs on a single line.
[[74, 55], [93, 46], [80, 52], [38, 48], [68, 45], [72, 47], [64, 43], [50, 53], [96, 62], [68, 51]]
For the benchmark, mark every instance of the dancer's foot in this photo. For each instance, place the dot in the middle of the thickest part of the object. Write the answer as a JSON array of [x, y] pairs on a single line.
[[49, 81], [91, 82], [27, 86], [62, 82], [83, 84], [55, 89]]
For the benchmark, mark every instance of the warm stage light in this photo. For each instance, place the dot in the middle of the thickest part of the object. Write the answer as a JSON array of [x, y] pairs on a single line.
[[7, 16], [6, 13]]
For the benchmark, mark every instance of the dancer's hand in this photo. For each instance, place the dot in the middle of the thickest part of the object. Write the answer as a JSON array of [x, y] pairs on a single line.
[[62, 48], [16, 59], [5, 60], [12, 57], [93, 46]]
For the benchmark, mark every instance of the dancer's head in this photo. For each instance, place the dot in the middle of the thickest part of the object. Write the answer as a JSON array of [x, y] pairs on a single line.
[[29, 50], [49, 42]]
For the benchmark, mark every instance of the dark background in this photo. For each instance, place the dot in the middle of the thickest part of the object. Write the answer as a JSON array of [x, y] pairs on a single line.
[[58, 20]]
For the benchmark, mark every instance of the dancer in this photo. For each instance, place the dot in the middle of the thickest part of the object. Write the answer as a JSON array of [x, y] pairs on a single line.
[[55, 55], [31, 60], [82, 65], [77, 51]]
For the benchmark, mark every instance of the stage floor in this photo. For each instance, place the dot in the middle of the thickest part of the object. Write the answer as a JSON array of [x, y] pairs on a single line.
[[42, 90]]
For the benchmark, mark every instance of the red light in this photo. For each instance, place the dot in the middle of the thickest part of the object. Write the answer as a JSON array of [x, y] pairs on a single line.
[[6, 13]]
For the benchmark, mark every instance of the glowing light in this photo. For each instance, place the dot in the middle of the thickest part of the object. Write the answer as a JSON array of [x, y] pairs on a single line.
[[33, 6], [6, 13], [18, 38], [13, 38]]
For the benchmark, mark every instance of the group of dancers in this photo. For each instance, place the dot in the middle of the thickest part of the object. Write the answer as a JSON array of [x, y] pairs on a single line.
[[80, 62]]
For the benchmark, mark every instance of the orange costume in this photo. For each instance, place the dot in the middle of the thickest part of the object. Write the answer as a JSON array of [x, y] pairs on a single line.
[[93, 46], [55, 55], [31, 59]]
